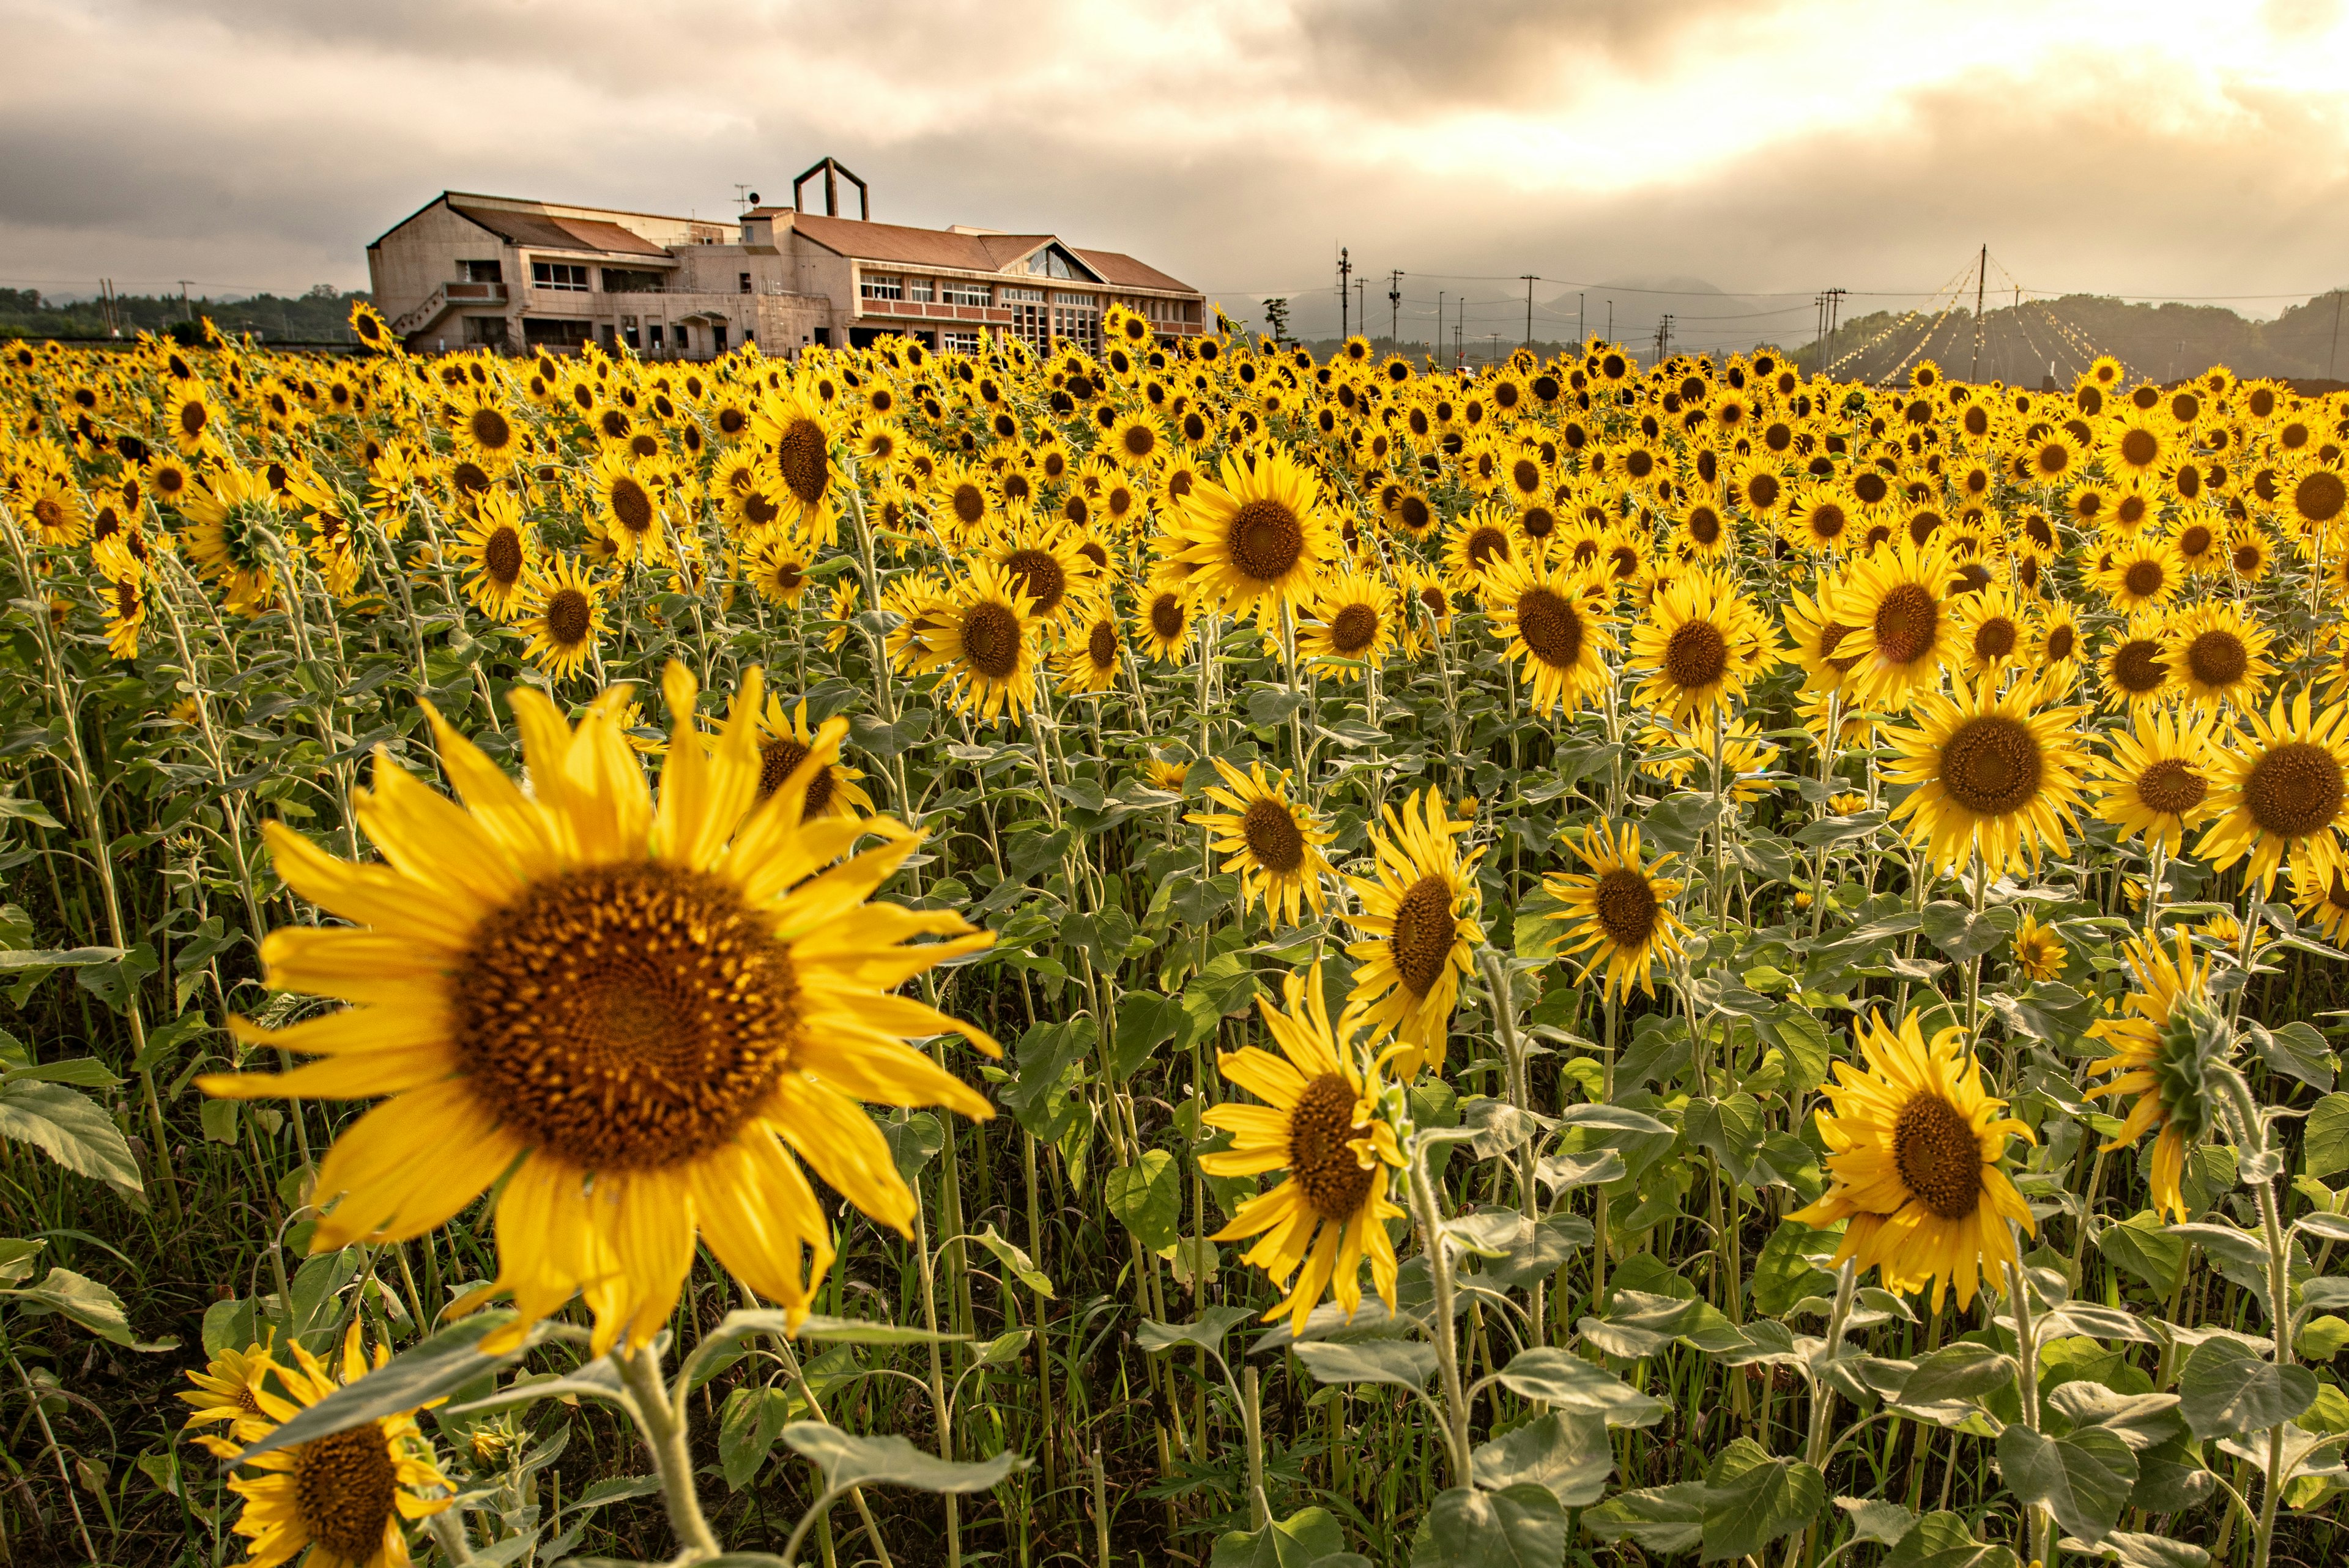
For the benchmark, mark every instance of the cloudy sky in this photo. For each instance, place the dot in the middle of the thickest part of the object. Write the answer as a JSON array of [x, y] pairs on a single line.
[[1766, 147]]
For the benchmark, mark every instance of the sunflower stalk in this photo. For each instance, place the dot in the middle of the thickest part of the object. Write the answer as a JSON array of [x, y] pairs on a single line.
[[2042, 1523], [1443, 1330], [1513, 1050], [661, 1420]]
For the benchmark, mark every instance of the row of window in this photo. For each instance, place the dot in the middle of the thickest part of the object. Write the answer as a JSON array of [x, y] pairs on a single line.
[[955, 290]]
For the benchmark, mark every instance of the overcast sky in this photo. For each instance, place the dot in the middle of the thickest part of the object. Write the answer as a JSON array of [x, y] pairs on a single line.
[[1769, 148]]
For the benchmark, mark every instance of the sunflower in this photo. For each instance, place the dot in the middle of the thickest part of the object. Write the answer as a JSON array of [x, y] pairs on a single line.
[[496, 546], [1916, 1155], [2134, 673], [55, 510], [562, 609], [1702, 642], [1040, 561], [797, 438], [2283, 794], [2202, 540], [345, 1498], [169, 481], [582, 984], [1354, 623], [194, 420], [776, 566], [984, 636], [1274, 843], [1994, 773], [1479, 543], [966, 503], [2165, 1040], [1554, 617], [1135, 441], [1323, 1121], [1163, 626], [2315, 495], [1419, 917], [485, 429], [1902, 630], [1619, 906], [2143, 572], [1756, 487], [2217, 655], [2053, 459], [1822, 519], [2138, 445], [222, 1391], [1259, 538], [127, 599], [2038, 956], [1704, 532], [1818, 636], [1992, 631], [2249, 553], [2157, 781], [1094, 653], [230, 537], [785, 743], [2323, 902]]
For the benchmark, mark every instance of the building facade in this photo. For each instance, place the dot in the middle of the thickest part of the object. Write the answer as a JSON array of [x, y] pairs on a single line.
[[473, 272]]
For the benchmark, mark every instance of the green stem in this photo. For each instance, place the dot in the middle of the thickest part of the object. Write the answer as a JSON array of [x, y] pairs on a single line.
[[661, 1420]]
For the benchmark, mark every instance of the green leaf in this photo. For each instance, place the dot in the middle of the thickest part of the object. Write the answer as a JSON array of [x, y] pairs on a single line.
[[1145, 1020], [2142, 1246], [1209, 1332], [1942, 1541], [1147, 1199], [2325, 1137], [1518, 1527], [25, 809], [1403, 1363], [2132, 1550], [2140, 1420], [1752, 1500], [597, 1380], [1566, 1453], [914, 1140], [79, 1298], [1873, 1519], [2083, 1480], [1667, 1518], [433, 1369], [1732, 1129], [1959, 1371], [1310, 1538], [1566, 1380], [849, 1461], [1021, 1266], [1961, 933], [82, 1072], [1783, 1273], [2226, 1389], [71, 1129], [55, 958], [855, 1330], [748, 1424], [115, 981]]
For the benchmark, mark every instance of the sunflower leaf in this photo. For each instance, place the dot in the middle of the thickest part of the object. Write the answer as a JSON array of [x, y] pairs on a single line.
[[2226, 1389], [849, 1461], [432, 1368], [2083, 1480]]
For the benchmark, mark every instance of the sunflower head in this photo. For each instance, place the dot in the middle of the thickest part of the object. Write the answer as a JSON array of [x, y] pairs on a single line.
[[2171, 1047]]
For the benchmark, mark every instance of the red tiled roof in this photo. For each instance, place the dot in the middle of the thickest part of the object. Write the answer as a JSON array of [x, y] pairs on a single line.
[[1120, 271], [916, 247], [549, 232]]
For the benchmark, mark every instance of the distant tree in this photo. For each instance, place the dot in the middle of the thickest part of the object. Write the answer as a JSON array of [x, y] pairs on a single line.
[[1276, 316]]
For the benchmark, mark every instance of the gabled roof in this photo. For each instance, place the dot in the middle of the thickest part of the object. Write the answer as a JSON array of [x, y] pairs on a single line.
[[906, 246], [546, 231], [1120, 271]]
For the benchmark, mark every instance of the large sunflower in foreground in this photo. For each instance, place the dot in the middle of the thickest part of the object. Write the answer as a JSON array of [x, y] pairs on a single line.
[[2283, 794], [2162, 1043], [345, 1498], [1993, 772], [1419, 914], [985, 638], [1554, 617], [1619, 906], [1259, 539], [1274, 843], [1321, 1123], [1902, 631], [633, 1013], [1916, 1154], [2157, 781]]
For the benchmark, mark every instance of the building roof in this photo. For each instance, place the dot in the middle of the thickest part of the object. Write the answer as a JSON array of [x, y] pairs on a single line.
[[546, 231], [1120, 271], [916, 247]]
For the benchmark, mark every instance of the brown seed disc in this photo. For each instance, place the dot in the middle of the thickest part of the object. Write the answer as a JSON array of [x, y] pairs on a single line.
[[1327, 1172], [2293, 790], [1423, 931], [1906, 623], [1991, 764], [1938, 1157], [344, 1487], [1695, 655], [1273, 837], [1266, 540], [990, 639], [1552, 626], [1627, 907], [2171, 786]]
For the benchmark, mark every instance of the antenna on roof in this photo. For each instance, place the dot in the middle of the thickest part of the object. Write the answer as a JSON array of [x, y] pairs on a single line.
[[743, 195], [829, 168]]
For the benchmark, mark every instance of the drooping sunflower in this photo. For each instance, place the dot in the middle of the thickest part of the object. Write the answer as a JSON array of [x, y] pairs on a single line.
[[1095, 652], [1619, 906], [632, 1011], [1274, 842], [1355, 621], [2215, 656], [1818, 636], [785, 743], [1259, 539], [231, 536], [985, 638], [2323, 902], [2038, 954], [222, 1391], [562, 608], [1553, 616], [2157, 781], [1701, 641], [496, 547], [1419, 917], [1997, 773], [2282, 794], [2134, 671], [2164, 1042], [346, 1498], [1902, 629], [1322, 1122], [1915, 1157]]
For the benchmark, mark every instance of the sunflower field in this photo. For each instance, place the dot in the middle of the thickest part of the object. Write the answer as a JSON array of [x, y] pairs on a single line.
[[1167, 952]]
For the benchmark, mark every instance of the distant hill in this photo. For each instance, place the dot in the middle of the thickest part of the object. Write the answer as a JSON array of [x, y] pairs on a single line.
[[321, 315]]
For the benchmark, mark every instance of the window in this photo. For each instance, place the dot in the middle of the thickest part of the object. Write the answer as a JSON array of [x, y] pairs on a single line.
[[967, 294], [657, 336], [922, 290], [745, 278], [872, 287], [717, 337], [1027, 320], [558, 276], [1053, 261], [1077, 317], [622, 280], [485, 331], [958, 342], [481, 272], [541, 333]]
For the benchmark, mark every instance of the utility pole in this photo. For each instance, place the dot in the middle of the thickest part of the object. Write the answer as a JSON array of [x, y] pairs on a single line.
[[1581, 333], [1345, 271], [1982, 276], [1361, 309], [1435, 351], [1663, 337], [1834, 316], [1610, 321], [1394, 310], [1530, 281], [1493, 350], [187, 310], [1459, 325], [2333, 359]]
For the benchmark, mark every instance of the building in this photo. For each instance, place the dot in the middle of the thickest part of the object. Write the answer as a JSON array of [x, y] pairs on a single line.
[[470, 272]]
